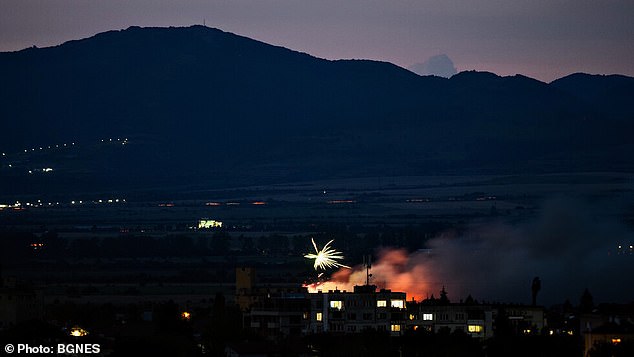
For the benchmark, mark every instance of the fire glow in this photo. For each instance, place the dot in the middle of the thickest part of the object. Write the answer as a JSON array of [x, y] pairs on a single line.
[[499, 261], [395, 270]]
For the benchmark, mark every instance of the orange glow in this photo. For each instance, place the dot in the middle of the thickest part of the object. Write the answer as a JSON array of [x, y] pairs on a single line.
[[186, 315], [37, 246], [394, 270], [258, 203], [616, 341]]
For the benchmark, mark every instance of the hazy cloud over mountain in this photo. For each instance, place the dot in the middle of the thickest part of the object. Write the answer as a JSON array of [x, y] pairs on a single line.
[[542, 39], [440, 65]]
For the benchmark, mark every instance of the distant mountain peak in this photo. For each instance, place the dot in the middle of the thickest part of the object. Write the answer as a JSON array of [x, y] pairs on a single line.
[[202, 105]]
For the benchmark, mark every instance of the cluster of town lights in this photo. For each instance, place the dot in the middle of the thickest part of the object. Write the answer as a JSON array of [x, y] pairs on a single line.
[[19, 205], [48, 147], [120, 141]]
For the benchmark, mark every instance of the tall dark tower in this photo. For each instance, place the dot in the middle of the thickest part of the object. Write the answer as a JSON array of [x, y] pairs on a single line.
[[535, 287]]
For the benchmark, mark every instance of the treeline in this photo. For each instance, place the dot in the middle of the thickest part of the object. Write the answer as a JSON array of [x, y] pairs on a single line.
[[21, 246]]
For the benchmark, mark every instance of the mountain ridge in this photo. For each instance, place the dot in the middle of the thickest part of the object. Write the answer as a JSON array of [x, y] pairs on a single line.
[[211, 105]]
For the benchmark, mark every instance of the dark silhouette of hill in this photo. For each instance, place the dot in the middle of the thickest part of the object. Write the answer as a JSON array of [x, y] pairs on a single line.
[[202, 106], [610, 94]]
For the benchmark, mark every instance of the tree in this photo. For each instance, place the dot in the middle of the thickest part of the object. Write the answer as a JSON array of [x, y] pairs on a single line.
[[444, 299], [535, 287], [586, 303], [220, 243]]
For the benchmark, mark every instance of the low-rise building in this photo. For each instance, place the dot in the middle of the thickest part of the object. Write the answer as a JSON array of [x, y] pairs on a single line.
[[18, 302], [476, 320]]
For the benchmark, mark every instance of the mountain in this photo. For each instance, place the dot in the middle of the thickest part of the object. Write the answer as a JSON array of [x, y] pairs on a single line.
[[610, 94], [199, 106]]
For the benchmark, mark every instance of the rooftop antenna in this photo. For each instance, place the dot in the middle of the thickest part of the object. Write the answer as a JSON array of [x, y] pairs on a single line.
[[367, 261]]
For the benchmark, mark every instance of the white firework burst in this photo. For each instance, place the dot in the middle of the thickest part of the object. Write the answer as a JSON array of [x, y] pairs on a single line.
[[326, 257]]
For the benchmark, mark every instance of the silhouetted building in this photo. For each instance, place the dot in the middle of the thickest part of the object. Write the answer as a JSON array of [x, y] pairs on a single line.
[[245, 287], [335, 311], [248, 292], [607, 323], [605, 335], [18, 302], [283, 315], [363, 308], [476, 320]]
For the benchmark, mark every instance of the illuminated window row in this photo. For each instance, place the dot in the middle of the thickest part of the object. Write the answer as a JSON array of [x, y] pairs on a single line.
[[399, 304], [475, 328]]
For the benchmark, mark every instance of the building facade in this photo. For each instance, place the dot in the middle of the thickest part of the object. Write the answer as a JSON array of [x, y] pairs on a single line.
[[351, 312], [18, 302]]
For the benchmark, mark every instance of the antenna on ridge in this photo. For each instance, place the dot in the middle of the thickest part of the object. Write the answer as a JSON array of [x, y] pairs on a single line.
[[367, 261]]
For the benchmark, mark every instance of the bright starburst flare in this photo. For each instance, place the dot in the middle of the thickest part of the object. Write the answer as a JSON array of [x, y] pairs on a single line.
[[326, 258]]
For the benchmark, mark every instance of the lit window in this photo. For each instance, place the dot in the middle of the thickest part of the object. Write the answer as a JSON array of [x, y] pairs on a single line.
[[336, 304], [412, 316], [319, 316], [381, 303], [395, 328], [428, 317], [475, 328], [398, 304]]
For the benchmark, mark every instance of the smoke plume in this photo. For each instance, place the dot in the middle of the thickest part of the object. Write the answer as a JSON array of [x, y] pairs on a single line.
[[569, 245]]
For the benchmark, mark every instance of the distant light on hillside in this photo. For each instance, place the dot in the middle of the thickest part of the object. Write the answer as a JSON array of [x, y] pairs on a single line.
[[209, 223]]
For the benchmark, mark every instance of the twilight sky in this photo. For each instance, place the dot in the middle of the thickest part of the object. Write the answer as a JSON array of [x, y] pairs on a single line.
[[544, 39]]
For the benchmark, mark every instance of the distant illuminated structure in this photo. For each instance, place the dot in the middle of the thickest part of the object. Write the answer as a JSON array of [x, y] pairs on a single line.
[[326, 258], [37, 246], [625, 249], [209, 223], [78, 332]]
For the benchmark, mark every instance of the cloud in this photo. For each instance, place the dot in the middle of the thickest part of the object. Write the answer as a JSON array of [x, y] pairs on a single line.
[[440, 65]]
